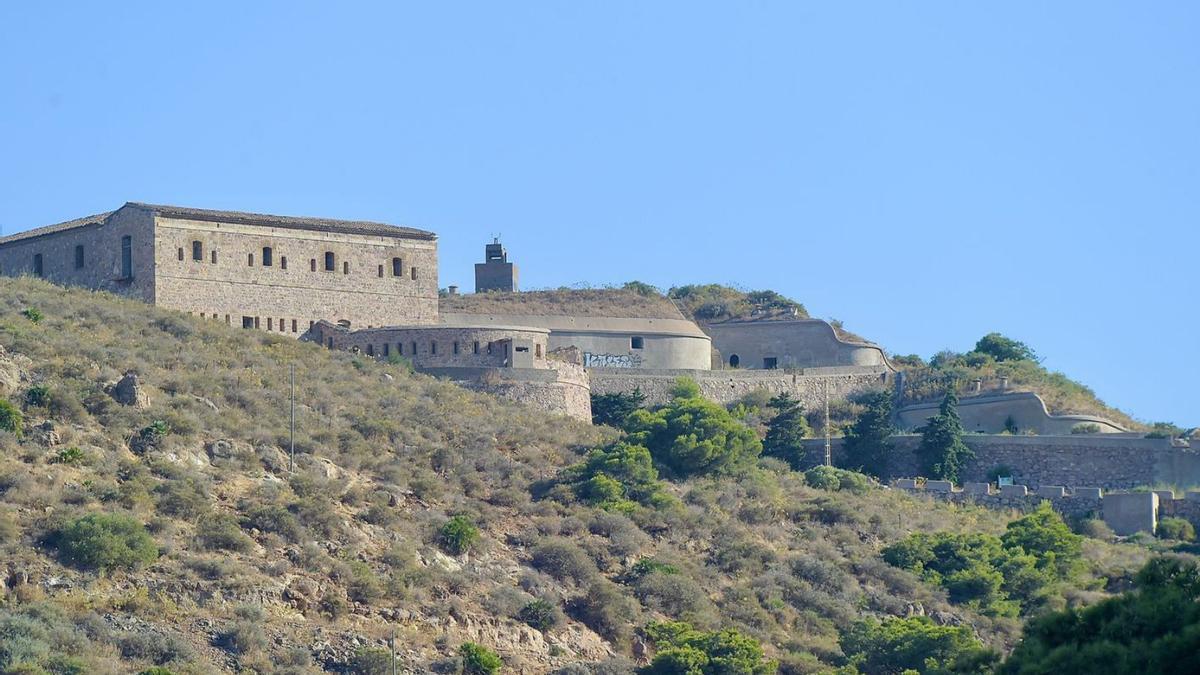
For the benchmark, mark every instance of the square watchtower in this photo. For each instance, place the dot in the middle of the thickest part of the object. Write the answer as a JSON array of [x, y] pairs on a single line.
[[495, 273]]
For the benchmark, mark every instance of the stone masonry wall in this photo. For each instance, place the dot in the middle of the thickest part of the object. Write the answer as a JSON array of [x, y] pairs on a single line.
[[561, 389], [101, 244], [295, 290], [1095, 461], [726, 386], [441, 346]]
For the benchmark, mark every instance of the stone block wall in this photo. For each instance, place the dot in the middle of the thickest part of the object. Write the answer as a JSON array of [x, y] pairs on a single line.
[[726, 386], [561, 389], [440, 346], [230, 281], [1104, 460]]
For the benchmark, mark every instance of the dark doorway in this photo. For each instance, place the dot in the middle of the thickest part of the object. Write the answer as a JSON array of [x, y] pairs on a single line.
[[734, 361]]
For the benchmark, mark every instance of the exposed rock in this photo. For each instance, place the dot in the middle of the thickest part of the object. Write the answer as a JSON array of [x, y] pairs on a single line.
[[129, 391], [46, 434], [220, 449]]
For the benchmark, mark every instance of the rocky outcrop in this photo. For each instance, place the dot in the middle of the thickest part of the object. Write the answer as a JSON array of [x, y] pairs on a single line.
[[129, 391]]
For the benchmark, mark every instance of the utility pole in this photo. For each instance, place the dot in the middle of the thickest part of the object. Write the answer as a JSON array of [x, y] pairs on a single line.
[[828, 440], [292, 429], [393, 642]]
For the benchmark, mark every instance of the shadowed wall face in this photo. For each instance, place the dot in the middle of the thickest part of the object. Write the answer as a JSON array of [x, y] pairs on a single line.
[[788, 344]]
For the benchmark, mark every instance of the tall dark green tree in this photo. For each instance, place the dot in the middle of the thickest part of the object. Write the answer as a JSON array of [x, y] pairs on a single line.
[[942, 451], [786, 431], [615, 408], [868, 440]]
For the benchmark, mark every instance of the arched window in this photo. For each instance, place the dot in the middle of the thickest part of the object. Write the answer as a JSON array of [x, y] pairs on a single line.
[[397, 267], [268, 256], [330, 264], [734, 360], [197, 251]]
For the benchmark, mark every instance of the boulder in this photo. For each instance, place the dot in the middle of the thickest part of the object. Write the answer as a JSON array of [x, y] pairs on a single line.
[[129, 391]]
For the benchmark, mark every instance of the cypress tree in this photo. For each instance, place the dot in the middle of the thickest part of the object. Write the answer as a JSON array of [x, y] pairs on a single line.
[[942, 451], [868, 440], [786, 431]]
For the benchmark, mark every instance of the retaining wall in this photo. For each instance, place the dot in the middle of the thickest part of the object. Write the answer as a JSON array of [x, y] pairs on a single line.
[[726, 386], [1075, 460]]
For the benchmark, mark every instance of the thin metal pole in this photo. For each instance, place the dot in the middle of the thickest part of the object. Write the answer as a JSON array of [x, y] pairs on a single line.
[[292, 430], [393, 651], [828, 441]]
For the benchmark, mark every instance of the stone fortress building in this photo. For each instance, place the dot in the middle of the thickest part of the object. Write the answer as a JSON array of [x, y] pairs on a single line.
[[373, 288]]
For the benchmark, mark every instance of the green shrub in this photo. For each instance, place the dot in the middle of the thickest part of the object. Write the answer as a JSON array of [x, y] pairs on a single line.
[[38, 396], [606, 610], [683, 649], [371, 661], [615, 408], [70, 455], [693, 436], [479, 660], [458, 535], [11, 419], [220, 532], [833, 478], [1176, 528], [1085, 428], [106, 541], [540, 614], [915, 644], [33, 314]]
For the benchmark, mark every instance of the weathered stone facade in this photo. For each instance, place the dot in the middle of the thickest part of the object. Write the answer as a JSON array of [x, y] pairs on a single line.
[[1107, 461], [795, 343], [990, 413], [273, 273], [809, 385]]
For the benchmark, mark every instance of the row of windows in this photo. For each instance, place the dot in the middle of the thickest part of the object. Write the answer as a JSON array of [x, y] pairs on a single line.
[[273, 324], [268, 260], [386, 348], [39, 263]]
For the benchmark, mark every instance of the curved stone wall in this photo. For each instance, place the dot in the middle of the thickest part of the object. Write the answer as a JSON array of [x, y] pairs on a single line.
[[607, 342], [989, 414], [800, 343]]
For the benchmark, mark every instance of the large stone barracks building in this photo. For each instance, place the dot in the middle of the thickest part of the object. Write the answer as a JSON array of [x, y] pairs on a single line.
[[274, 273]]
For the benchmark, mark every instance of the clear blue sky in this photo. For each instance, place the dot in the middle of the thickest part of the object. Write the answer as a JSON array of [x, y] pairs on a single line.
[[926, 172]]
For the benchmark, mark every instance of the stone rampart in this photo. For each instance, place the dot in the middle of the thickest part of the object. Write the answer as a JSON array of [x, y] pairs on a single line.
[[990, 413], [561, 389], [809, 385], [1075, 460]]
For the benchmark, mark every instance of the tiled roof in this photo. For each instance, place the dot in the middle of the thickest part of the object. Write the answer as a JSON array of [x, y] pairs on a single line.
[[291, 222], [239, 217], [57, 227]]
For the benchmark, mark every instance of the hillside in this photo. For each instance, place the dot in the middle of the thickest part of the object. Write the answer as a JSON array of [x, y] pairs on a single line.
[[160, 524]]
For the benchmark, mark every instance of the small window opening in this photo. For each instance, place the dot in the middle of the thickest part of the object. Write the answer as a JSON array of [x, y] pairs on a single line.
[[294, 325], [180, 253], [400, 348], [476, 349], [489, 348], [268, 256], [433, 348], [734, 361], [312, 264], [37, 264], [345, 268], [247, 322], [250, 259], [522, 349], [456, 347], [387, 347], [79, 256], [330, 265], [283, 262], [197, 251], [397, 268], [226, 318], [370, 350], [414, 348], [636, 342], [381, 271], [770, 363], [213, 255], [413, 271], [537, 351], [269, 324], [126, 257]]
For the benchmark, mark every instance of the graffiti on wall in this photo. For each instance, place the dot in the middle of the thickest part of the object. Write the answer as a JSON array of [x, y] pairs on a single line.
[[591, 360]]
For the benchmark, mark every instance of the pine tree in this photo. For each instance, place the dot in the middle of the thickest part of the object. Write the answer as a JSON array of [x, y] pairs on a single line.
[[786, 431], [868, 440], [942, 451]]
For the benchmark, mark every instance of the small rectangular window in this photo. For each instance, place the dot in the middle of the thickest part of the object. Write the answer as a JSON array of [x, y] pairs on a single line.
[[197, 251], [400, 348], [247, 322], [179, 253], [537, 351], [387, 346], [226, 318], [381, 271], [213, 255], [476, 348], [250, 259], [636, 343], [413, 270], [268, 323], [330, 265], [414, 348], [433, 348], [397, 268], [256, 322], [79, 256], [294, 326], [126, 257], [283, 262], [370, 350], [312, 264], [456, 348], [268, 256], [770, 363], [345, 268]]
